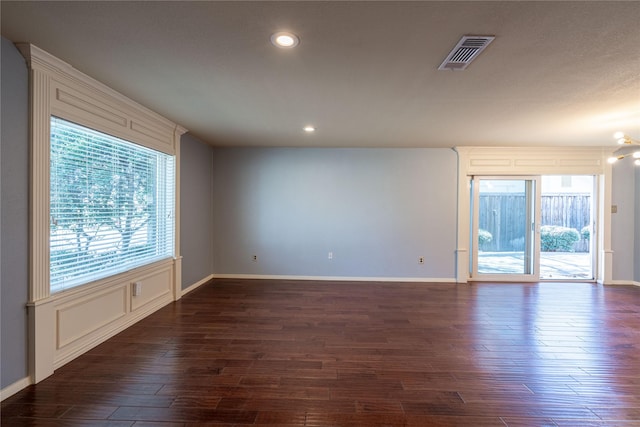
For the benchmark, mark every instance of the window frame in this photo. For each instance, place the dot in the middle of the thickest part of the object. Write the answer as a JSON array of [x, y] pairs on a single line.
[[66, 324], [162, 178], [57, 89]]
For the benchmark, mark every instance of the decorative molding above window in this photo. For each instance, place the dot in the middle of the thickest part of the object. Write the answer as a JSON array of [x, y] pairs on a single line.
[[532, 160], [68, 93]]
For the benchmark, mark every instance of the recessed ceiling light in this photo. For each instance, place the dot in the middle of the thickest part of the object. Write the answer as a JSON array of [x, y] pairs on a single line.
[[309, 129], [285, 39]]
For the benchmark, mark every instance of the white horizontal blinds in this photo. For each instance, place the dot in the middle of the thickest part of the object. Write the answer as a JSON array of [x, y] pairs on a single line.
[[111, 206]]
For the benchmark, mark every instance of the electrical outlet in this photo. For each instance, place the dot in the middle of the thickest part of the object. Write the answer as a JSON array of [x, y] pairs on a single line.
[[255, 258], [330, 255], [420, 260], [137, 289]]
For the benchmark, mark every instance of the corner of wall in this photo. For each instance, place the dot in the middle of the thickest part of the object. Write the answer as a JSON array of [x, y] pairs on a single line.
[[15, 213]]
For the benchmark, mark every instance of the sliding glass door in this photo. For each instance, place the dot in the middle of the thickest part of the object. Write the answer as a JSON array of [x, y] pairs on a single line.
[[505, 245], [567, 232], [533, 228]]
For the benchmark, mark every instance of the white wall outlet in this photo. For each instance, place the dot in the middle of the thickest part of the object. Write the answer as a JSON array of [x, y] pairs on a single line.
[[420, 260], [330, 255], [137, 289], [254, 258]]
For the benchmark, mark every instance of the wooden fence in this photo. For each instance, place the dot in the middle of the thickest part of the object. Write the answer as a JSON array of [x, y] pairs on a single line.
[[503, 215]]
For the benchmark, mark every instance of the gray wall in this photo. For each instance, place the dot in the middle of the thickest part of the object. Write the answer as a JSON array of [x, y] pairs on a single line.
[[637, 227], [377, 210], [196, 226], [624, 223], [14, 213]]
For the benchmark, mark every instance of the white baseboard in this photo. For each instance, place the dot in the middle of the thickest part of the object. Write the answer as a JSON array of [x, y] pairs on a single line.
[[335, 278], [197, 284], [12, 389], [623, 283]]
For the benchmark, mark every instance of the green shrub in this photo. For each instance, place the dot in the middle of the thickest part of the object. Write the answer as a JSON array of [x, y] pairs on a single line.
[[558, 239], [585, 233], [484, 237]]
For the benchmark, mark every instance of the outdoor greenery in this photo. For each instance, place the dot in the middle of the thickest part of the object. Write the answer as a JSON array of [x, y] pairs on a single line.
[[504, 216], [103, 201], [106, 190], [484, 237], [558, 239]]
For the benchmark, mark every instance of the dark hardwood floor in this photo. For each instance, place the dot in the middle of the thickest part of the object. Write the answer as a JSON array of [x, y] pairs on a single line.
[[239, 352]]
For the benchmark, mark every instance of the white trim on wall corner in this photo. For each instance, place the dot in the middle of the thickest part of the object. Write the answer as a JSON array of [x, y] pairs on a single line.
[[12, 389], [335, 278], [197, 284]]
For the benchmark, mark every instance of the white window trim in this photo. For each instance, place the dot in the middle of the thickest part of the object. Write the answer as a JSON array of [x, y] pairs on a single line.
[[535, 161], [56, 88]]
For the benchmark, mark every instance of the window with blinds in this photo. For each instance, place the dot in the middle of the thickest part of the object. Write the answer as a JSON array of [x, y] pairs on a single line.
[[111, 206]]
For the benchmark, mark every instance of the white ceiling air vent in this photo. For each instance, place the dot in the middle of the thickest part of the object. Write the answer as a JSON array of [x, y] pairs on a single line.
[[467, 49]]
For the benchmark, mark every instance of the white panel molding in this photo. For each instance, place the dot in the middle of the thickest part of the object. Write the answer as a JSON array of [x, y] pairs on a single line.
[[605, 267], [334, 278], [154, 286], [604, 272], [197, 284], [461, 270], [12, 389], [39, 186], [101, 335], [42, 339], [464, 218], [56, 345], [66, 324], [497, 161], [103, 323], [177, 279], [67, 98], [80, 317], [533, 160]]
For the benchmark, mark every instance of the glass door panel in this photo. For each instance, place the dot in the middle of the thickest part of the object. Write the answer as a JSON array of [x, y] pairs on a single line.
[[567, 227], [505, 238]]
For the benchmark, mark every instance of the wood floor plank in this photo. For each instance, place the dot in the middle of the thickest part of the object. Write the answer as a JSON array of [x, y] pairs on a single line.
[[89, 412], [304, 353]]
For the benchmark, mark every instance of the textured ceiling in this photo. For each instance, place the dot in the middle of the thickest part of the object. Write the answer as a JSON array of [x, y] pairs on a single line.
[[365, 73]]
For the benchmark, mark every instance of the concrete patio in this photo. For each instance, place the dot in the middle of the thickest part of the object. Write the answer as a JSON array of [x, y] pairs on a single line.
[[553, 265]]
